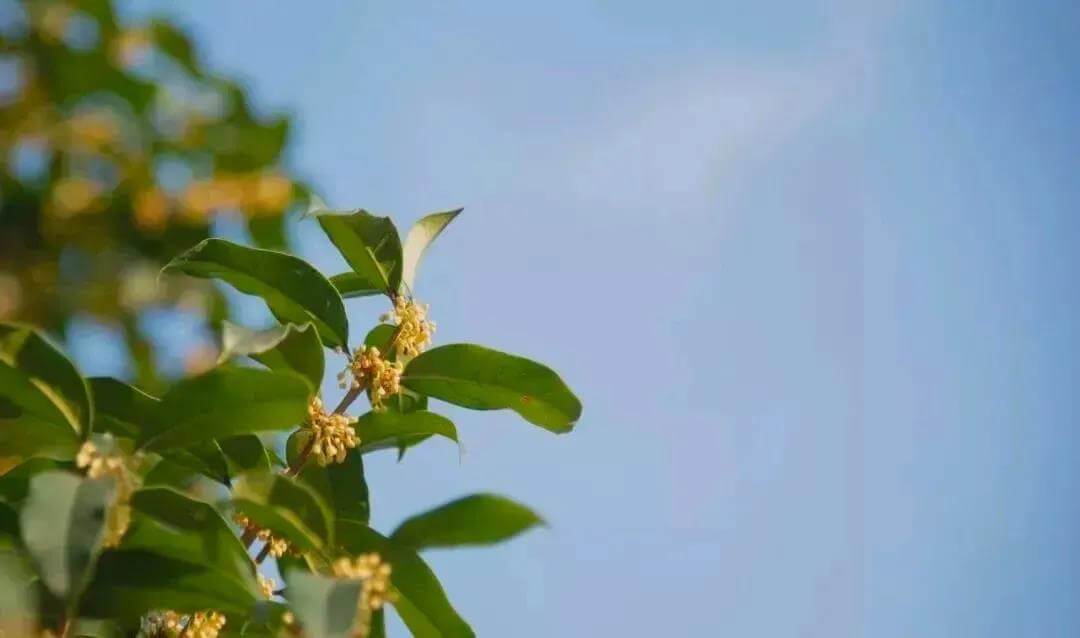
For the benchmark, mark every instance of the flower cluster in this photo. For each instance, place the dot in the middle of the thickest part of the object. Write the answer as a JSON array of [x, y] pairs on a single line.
[[170, 624], [414, 329], [334, 434], [375, 575], [278, 546], [266, 586], [98, 465], [369, 368]]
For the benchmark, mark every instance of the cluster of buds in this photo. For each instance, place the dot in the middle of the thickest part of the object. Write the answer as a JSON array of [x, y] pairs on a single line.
[[369, 368], [170, 624], [333, 434], [414, 329], [267, 586], [375, 592], [278, 545], [99, 465]]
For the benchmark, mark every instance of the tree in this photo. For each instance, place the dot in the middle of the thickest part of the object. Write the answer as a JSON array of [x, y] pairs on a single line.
[[101, 537], [117, 150]]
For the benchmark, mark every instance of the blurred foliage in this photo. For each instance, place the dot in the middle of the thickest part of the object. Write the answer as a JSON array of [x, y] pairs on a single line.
[[117, 149]]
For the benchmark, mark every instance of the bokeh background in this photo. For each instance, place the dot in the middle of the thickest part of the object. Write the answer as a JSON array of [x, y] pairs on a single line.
[[811, 267]]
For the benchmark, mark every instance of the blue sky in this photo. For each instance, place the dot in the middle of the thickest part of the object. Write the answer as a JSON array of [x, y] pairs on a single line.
[[810, 266]]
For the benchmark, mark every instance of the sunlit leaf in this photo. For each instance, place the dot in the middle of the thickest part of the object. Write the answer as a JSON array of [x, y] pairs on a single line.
[[370, 245], [417, 241], [288, 347], [226, 402], [293, 290], [478, 519], [483, 379]]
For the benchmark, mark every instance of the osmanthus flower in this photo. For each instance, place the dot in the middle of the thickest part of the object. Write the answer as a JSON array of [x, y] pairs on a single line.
[[414, 328], [267, 586], [334, 434], [278, 545], [99, 465], [170, 624], [368, 368], [375, 591]]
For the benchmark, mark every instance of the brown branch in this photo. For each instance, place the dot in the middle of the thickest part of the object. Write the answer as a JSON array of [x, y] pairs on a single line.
[[263, 554]]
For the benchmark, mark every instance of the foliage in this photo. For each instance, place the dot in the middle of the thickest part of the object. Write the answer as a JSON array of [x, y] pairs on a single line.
[[117, 150], [106, 522]]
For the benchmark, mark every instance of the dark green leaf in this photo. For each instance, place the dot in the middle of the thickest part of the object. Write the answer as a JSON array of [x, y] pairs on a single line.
[[381, 337], [326, 607], [417, 241], [294, 291], [121, 409], [341, 485], [479, 519], [204, 457], [289, 508], [226, 402], [62, 522], [370, 245], [45, 405], [421, 602], [352, 285], [390, 428], [245, 453], [288, 347], [174, 525], [483, 379], [128, 583]]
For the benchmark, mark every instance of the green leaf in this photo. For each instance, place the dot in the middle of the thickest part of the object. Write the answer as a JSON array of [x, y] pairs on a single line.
[[294, 290], [483, 379], [62, 522], [204, 457], [370, 245], [121, 409], [289, 508], [478, 519], [171, 524], [352, 285], [128, 583], [18, 596], [381, 337], [417, 241], [421, 603], [341, 485], [45, 404], [226, 402], [288, 347], [390, 428], [245, 453], [326, 607]]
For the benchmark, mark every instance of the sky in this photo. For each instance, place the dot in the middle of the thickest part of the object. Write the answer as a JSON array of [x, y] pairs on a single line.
[[810, 267]]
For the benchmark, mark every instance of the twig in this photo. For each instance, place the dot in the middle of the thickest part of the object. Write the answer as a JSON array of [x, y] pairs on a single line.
[[262, 554]]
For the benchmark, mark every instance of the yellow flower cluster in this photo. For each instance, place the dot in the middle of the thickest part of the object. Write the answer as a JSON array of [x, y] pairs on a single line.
[[267, 586], [375, 593], [368, 368], [414, 329], [98, 465], [266, 192], [334, 434], [278, 546], [169, 624]]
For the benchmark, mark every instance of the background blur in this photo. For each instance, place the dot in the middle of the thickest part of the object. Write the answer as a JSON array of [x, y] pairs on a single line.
[[810, 266]]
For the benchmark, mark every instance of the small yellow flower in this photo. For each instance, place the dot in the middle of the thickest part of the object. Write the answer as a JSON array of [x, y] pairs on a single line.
[[376, 591], [334, 434], [98, 465], [369, 368], [266, 586], [278, 546], [201, 624], [414, 329]]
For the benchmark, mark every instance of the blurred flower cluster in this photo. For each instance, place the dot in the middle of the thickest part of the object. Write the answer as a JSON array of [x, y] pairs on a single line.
[[118, 149]]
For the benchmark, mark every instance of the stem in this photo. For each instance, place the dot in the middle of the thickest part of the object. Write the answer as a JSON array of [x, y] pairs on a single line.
[[250, 533], [263, 554]]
